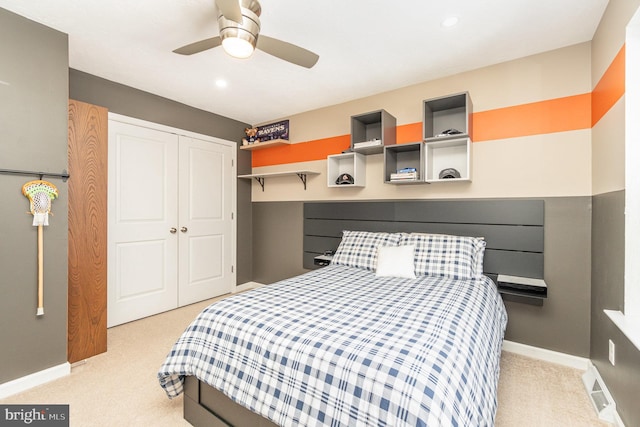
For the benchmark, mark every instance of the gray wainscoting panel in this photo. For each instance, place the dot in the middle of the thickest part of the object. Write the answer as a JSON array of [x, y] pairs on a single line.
[[608, 233], [513, 229], [277, 241]]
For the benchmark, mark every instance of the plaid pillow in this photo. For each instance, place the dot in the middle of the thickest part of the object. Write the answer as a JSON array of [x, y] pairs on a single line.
[[458, 257], [360, 248]]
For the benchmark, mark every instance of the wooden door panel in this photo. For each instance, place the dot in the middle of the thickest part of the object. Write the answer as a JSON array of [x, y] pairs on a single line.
[[87, 248]]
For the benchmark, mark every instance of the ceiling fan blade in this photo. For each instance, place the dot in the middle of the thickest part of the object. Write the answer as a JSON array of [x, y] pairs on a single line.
[[200, 46], [230, 9], [287, 51]]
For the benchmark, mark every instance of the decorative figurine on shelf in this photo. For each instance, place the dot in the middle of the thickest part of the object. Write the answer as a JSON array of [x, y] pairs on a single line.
[[251, 136]]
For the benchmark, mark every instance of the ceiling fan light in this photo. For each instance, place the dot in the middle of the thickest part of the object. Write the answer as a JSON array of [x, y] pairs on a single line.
[[239, 38], [238, 47]]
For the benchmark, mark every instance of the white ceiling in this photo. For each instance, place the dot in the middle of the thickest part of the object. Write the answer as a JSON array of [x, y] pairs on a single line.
[[365, 46]]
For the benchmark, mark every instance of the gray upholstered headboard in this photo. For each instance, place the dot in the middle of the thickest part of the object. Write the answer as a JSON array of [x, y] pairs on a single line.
[[513, 229]]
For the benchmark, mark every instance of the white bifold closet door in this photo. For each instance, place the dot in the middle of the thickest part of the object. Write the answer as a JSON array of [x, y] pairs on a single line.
[[171, 234]]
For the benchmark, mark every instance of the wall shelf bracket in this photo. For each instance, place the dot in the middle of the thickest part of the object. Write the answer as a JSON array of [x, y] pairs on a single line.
[[261, 176], [303, 178]]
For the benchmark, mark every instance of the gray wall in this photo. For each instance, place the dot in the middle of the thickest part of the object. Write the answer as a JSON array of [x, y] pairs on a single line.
[[33, 131], [561, 324], [277, 241], [623, 380], [131, 102]]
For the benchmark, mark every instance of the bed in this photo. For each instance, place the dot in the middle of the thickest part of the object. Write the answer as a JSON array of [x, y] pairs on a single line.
[[400, 329]]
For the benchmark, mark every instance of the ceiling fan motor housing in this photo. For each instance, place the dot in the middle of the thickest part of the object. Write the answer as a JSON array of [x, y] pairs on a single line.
[[239, 26], [248, 29]]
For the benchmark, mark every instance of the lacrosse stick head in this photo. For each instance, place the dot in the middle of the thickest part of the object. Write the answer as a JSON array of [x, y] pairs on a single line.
[[40, 194]]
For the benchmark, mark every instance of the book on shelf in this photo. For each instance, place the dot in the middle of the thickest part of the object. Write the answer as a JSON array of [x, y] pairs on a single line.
[[370, 143], [406, 174]]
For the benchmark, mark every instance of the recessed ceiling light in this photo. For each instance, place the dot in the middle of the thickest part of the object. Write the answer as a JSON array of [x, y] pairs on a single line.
[[449, 22], [221, 83]]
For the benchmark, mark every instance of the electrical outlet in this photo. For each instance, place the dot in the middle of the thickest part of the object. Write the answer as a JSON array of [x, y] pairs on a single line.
[[612, 353]]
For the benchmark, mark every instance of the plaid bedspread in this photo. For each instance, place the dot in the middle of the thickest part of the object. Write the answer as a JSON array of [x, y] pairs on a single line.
[[341, 347]]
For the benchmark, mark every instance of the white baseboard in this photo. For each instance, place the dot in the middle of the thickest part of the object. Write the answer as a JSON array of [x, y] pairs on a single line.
[[564, 359], [247, 286], [37, 378]]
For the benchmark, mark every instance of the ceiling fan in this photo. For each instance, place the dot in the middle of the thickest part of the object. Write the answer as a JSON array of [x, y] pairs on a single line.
[[239, 22]]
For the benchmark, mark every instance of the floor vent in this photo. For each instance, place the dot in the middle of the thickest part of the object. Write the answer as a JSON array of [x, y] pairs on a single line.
[[600, 397]]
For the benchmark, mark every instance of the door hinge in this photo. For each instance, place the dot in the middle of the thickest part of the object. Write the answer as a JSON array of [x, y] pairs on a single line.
[[231, 215], [232, 268], [232, 164]]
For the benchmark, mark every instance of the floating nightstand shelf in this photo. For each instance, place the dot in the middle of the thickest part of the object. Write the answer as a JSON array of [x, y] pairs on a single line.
[[261, 176], [322, 260], [522, 289]]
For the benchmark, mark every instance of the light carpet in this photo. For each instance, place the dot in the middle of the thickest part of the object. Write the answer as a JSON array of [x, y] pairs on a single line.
[[120, 388]]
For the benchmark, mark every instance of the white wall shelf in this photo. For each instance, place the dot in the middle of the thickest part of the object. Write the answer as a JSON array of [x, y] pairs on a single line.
[[302, 174], [265, 144], [445, 154], [352, 163]]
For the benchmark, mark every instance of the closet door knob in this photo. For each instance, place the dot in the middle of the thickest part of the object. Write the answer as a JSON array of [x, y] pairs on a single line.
[[172, 230], [183, 229]]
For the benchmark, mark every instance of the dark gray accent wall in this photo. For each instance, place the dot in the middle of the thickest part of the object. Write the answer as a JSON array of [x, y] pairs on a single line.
[[623, 380], [33, 136], [277, 241], [561, 324], [142, 105]]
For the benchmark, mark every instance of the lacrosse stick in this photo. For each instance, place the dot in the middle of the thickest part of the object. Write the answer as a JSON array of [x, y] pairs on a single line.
[[40, 194]]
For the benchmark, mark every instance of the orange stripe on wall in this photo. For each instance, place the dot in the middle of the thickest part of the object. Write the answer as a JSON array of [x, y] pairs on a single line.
[[301, 152], [609, 89], [554, 115], [409, 133], [321, 148]]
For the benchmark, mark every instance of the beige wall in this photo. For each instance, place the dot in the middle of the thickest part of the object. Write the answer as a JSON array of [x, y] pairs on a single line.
[[608, 134], [608, 151], [556, 164]]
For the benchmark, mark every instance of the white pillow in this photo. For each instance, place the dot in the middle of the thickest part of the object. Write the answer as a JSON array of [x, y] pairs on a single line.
[[396, 261]]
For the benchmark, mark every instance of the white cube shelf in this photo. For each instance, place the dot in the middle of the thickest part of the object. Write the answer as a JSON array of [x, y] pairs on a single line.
[[352, 163], [452, 153]]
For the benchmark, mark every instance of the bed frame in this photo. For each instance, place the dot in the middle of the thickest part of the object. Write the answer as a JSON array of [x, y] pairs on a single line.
[[513, 230], [205, 406]]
